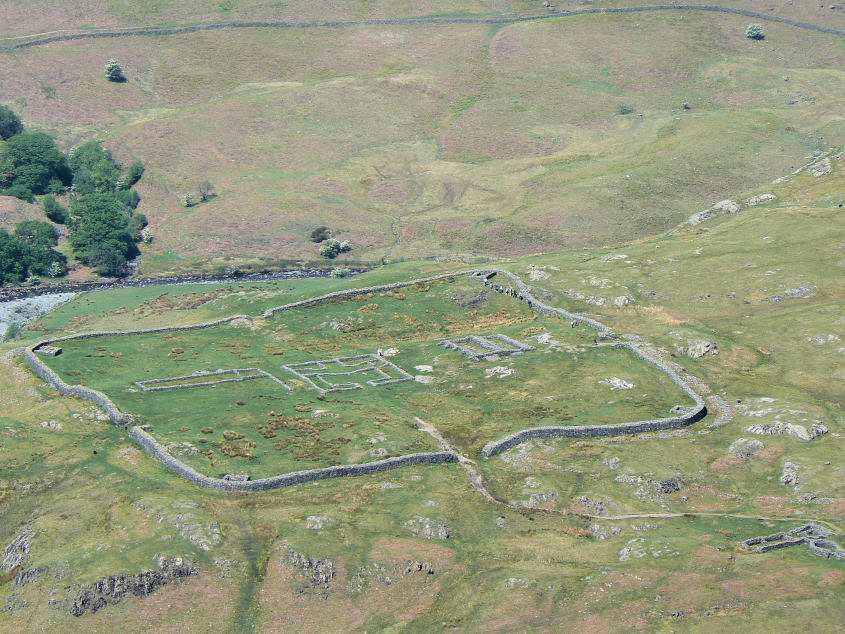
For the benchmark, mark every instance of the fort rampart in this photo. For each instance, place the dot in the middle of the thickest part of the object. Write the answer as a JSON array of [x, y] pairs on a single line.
[[686, 417]]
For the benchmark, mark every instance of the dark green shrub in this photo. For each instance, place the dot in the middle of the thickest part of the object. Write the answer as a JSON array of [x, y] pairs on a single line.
[[132, 175], [54, 210], [10, 125], [320, 234], [129, 198], [19, 191], [623, 109], [107, 260]]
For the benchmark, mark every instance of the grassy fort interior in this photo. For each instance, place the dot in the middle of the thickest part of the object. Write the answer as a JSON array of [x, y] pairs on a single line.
[[341, 382]]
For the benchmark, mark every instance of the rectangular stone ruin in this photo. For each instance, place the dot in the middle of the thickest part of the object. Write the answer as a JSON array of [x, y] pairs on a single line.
[[48, 351], [483, 347], [323, 375], [206, 379], [813, 535]]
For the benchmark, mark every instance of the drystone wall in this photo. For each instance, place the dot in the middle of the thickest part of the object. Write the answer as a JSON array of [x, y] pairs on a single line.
[[685, 418], [289, 479], [430, 20], [689, 415], [38, 366]]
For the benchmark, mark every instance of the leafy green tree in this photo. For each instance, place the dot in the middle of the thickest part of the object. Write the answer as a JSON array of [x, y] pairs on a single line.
[[136, 226], [10, 125], [19, 191], [114, 72], [755, 32], [128, 198], [54, 210], [37, 234], [97, 219], [33, 161], [132, 175], [94, 169], [330, 249], [107, 260], [13, 259]]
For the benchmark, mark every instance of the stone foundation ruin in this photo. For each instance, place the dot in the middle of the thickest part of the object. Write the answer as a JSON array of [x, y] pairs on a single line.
[[478, 348], [319, 374], [197, 379], [815, 536]]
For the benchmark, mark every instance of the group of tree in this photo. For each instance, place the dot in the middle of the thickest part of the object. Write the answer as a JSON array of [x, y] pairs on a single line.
[[102, 224], [205, 192], [104, 228], [332, 248], [29, 252]]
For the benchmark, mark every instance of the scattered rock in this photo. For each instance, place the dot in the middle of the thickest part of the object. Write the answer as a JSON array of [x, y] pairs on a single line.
[[789, 429], [701, 348], [616, 383], [789, 476], [471, 300], [721, 207], [17, 550], [419, 566], [623, 300], [820, 168], [110, 590], [820, 340], [744, 447], [225, 567], [390, 352], [760, 199], [523, 584], [605, 532], [318, 572], [535, 274], [596, 506], [611, 463], [51, 424], [424, 368], [499, 370], [425, 379], [669, 486], [428, 528], [317, 523], [30, 575], [539, 499]]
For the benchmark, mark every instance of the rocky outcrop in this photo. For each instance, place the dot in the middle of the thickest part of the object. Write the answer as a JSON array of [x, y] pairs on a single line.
[[428, 528], [701, 348], [721, 207], [17, 551], [759, 199], [318, 572], [789, 429], [789, 476], [114, 588], [744, 447]]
